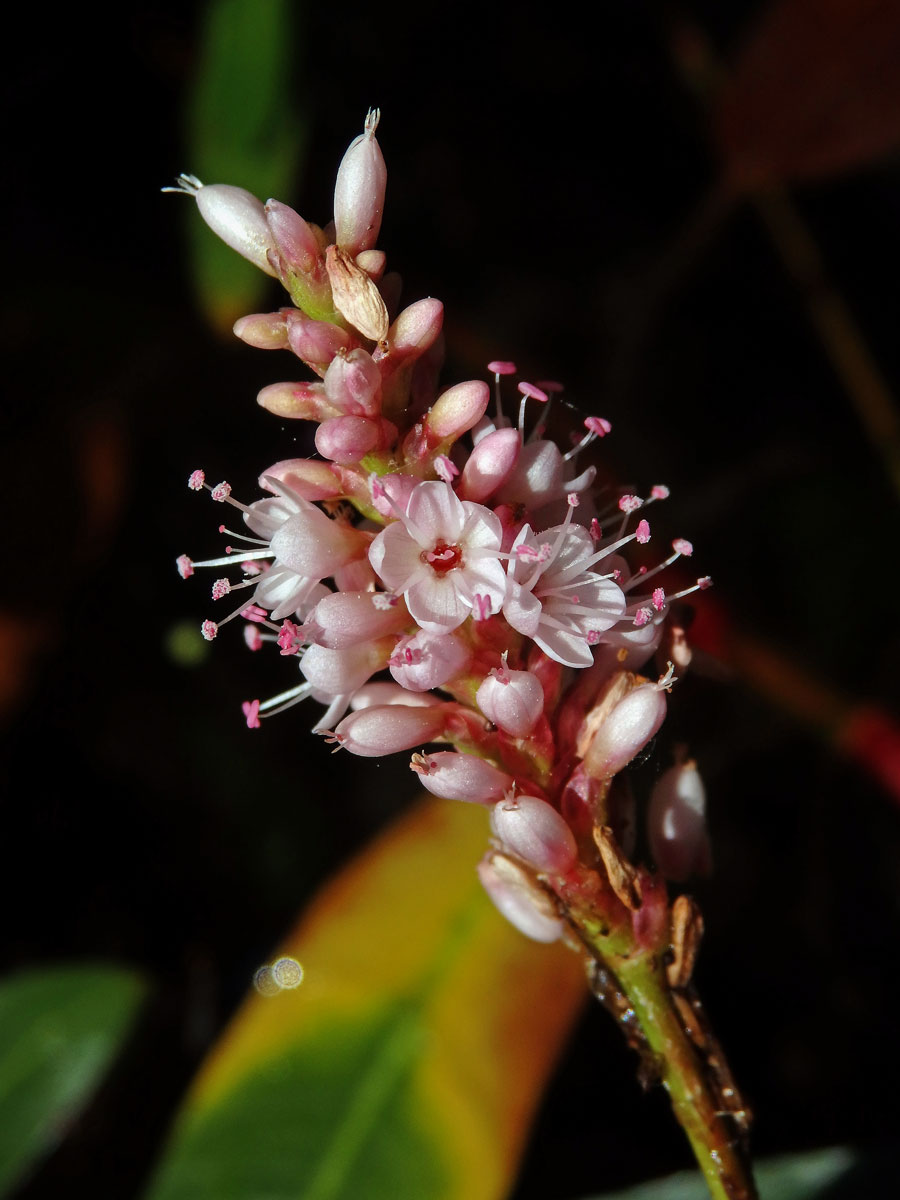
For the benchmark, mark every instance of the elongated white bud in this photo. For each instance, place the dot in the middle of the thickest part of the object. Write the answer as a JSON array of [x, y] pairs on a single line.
[[455, 776], [359, 191], [676, 823], [239, 219], [534, 830], [387, 728], [626, 731], [346, 618]]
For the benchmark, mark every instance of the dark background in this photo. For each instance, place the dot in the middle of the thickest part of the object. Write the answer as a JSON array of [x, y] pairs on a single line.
[[543, 173]]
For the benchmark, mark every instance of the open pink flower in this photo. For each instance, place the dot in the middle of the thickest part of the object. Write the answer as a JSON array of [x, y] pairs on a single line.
[[443, 555]]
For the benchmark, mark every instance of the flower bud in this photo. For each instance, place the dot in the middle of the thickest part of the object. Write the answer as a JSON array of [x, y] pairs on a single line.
[[519, 898], [338, 672], [239, 219], [391, 693], [311, 544], [346, 618], [626, 731], [359, 191], [457, 409], [513, 700], [309, 478], [533, 830], [455, 776], [489, 464], [676, 823], [347, 440], [297, 401], [387, 728], [428, 660], [294, 240], [316, 342], [263, 331], [353, 384]]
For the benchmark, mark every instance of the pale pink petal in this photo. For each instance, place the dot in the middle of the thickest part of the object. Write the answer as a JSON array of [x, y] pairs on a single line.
[[435, 513]]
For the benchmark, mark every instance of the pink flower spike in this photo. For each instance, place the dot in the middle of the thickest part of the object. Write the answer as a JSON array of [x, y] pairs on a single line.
[[209, 629], [499, 367], [220, 588], [221, 491], [659, 599], [659, 492], [683, 546], [196, 481], [532, 392], [642, 533], [250, 709], [185, 566], [630, 504], [598, 425]]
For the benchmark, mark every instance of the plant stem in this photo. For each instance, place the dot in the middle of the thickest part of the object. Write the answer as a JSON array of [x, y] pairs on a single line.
[[669, 1030]]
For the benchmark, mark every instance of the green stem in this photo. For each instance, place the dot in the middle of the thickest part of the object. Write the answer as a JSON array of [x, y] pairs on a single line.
[[673, 1039]]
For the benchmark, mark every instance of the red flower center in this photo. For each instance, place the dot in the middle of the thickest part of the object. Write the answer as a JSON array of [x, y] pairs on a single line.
[[443, 558]]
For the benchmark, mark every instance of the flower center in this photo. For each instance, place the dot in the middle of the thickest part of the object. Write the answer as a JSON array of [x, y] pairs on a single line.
[[443, 558]]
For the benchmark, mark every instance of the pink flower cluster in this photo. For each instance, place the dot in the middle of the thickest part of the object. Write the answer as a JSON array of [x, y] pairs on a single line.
[[442, 573]]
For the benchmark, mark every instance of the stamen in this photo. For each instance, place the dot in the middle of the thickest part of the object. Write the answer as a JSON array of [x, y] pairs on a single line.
[[445, 468], [209, 629], [221, 588], [250, 709], [659, 599], [642, 533], [290, 638], [221, 491], [481, 607], [185, 566], [196, 481], [659, 491], [252, 637], [279, 703]]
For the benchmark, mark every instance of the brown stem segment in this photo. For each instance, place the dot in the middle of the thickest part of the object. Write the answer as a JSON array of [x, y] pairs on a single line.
[[668, 1028]]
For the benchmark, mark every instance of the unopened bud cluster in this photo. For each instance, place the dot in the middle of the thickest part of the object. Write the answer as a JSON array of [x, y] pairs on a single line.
[[441, 572]]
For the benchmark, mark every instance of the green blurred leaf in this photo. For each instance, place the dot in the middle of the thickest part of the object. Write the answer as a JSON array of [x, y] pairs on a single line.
[[59, 1029], [789, 1177], [410, 1059], [243, 130]]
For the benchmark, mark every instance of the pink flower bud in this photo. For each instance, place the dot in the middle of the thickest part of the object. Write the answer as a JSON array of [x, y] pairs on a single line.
[[353, 384], [387, 728], [347, 440], [294, 240], [359, 191], [239, 219], [302, 400], [626, 731], [372, 262], [316, 342], [346, 618], [489, 464], [263, 331], [338, 672], [309, 478], [534, 830], [513, 700], [454, 776], [415, 329], [519, 898], [428, 660], [457, 409], [676, 823]]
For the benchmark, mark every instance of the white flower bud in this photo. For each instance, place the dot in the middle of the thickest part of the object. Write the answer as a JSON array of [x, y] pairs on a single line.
[[535, 831]]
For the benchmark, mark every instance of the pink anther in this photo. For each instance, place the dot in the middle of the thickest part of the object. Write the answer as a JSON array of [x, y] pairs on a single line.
[[209, 629], [252, 637], [659, 599], [481, 607], [642, 616], [573, 500], [185, 566], [196, 481], [642, 533], [220, 588], [254, 613], [221, 491], [289, 638], [659, 491], [596, 531], [382, 601], [598, 425], [445, 468], [593, 637], [250, 709], [532, 392], [498, 367], [683, 546], [630, 504], [704, 583]]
